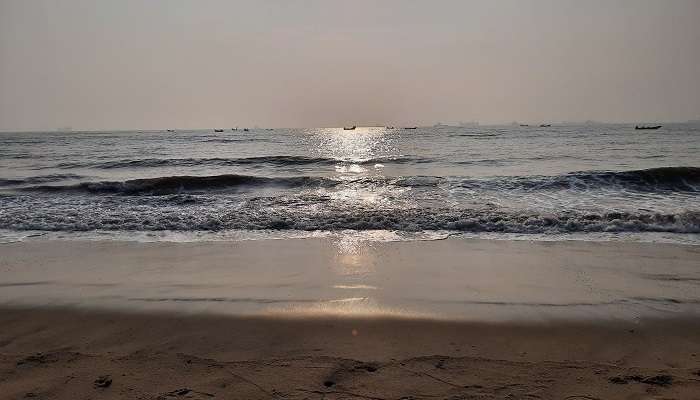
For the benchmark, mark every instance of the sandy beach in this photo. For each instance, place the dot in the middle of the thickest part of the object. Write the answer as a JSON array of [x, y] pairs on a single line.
[[334, 200], [61, 354], [343, 319]]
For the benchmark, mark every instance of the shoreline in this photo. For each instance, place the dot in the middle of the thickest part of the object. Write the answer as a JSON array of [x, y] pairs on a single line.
[[62, 353], [346, 319], [451, 279], [183, 237]]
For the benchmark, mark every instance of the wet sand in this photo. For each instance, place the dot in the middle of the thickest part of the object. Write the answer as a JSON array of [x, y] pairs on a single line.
[[453, 279], [70, 354], [349, 319]]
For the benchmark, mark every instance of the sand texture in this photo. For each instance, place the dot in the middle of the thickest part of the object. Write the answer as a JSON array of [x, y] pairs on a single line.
[[68, 354]]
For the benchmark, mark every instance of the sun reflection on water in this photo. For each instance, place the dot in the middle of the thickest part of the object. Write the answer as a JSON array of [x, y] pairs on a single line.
[[354, 256], [353, 288], [355, 147], [359, 153]]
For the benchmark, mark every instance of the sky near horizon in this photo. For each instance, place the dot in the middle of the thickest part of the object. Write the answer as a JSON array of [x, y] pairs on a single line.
[[97, 64]]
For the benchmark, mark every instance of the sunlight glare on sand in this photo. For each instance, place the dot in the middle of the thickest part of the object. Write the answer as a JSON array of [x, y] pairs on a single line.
[[349, 307], [353, 259], [355, 265]]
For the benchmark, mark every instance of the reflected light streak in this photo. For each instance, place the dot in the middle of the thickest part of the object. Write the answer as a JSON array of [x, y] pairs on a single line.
[[361, 145], [355, 257], [362, 287], [362, 307]]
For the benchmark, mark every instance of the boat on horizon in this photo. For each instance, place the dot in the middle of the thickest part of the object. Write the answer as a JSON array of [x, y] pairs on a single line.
[[411, 127], [643, 128], [218, 130], [349, 128], [545, 125]]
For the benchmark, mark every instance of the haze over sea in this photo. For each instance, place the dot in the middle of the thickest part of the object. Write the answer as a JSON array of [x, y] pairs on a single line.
[[590, 182]]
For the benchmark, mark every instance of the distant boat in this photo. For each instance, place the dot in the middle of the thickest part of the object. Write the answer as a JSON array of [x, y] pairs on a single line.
[[545, 125], [411, 127], [171, 130], [643, 128], [349, 128], [389, 127], [245, 129], [218, 130], [234, 129], [524, 125]]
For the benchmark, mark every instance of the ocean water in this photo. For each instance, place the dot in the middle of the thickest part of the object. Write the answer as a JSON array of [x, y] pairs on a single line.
[[588, 182]]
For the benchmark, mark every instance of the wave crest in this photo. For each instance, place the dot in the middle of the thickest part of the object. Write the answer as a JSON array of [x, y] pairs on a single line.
[[32, 180], [685, 179], [653, 179], [182, 184]]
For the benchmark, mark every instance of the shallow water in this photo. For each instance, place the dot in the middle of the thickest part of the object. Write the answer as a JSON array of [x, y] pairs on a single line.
[[596, 182], [355, 276]]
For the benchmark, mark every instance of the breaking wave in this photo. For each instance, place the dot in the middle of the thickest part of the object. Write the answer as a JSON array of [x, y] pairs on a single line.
[[648, 200], [182, 216]]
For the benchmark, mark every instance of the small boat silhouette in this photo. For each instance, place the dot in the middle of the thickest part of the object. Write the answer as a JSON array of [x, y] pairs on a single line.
[[545, 125], [411, 127], [349, 128], [642, 128], [218, 130]]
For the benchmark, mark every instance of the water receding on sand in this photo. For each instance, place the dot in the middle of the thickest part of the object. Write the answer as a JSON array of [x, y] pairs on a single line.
[[453, 279]]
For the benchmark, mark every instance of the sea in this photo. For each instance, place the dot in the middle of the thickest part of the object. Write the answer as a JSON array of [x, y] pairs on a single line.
[[599, 182]]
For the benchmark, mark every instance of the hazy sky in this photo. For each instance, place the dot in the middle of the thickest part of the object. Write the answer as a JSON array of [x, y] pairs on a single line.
[[186, 64]]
